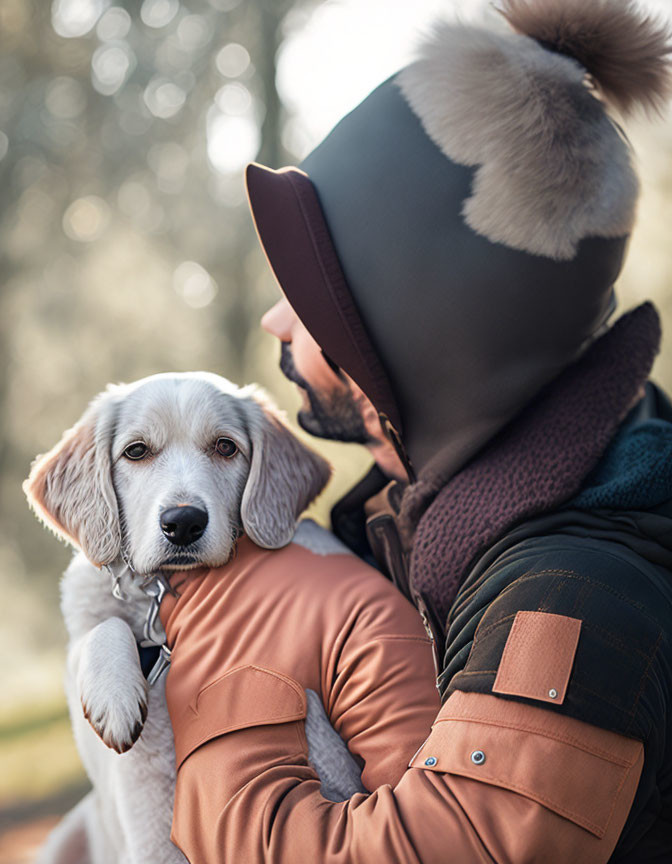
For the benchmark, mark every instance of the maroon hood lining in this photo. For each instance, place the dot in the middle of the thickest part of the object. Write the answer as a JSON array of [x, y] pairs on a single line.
[[295, 237]]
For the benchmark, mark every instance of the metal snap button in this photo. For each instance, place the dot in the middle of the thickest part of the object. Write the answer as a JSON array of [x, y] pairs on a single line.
[[431, 761], [553, 693], [478, 757]]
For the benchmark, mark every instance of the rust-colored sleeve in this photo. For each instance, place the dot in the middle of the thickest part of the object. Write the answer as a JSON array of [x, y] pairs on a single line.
[[332, 624], [380, 692], [496, 781]]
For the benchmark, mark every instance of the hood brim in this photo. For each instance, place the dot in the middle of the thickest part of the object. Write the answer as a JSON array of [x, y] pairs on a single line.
[[295, 237]]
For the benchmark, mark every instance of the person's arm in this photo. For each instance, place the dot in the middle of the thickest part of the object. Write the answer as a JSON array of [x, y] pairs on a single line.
[[379, 682], [550, 788], [332, 623]]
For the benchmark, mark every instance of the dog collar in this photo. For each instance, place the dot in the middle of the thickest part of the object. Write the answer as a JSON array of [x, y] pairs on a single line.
[[153, 653]]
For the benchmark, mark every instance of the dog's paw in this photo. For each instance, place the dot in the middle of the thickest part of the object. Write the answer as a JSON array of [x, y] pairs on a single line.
[[118, 727], [111, 685]]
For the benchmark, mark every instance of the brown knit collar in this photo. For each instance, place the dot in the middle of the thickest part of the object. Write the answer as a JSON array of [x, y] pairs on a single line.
[[534, 465]]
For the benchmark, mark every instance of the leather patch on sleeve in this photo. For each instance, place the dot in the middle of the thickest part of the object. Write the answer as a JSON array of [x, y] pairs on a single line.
[[538, 657], [582, 773]]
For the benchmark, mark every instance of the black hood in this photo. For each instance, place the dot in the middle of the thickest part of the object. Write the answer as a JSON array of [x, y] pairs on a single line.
[[448, 333], [467, 330]]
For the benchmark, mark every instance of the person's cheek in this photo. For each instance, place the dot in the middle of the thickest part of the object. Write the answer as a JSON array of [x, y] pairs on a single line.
[[312, 366]]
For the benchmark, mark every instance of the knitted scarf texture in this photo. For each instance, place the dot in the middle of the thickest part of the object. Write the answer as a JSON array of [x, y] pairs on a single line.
[[536, 463]]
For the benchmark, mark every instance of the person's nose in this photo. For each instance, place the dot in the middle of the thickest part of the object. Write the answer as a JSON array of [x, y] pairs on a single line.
[[279, 320]]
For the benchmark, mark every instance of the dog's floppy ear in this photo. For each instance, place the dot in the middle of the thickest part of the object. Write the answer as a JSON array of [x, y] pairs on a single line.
[[70, 488], [285, 476]]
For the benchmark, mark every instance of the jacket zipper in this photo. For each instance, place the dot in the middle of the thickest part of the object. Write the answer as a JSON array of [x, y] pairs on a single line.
[[425, 620]]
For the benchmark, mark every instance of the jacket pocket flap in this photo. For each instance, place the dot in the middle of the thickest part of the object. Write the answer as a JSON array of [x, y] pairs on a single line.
[[568, 766], [244, 697]]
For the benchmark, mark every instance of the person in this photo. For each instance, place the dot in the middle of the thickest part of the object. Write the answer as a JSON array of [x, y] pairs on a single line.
[[447, 256]]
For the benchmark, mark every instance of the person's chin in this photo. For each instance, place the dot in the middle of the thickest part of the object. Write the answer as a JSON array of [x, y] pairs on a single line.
[[317, 425], [305, 399], [324, 427], [309, 422]]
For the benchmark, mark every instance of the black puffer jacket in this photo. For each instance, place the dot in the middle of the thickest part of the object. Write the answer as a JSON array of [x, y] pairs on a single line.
[[604, 558]]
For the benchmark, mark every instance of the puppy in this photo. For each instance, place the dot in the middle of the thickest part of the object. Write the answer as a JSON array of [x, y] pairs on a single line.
[[158, 476]]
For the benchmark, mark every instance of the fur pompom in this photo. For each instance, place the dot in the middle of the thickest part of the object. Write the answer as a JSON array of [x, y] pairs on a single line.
[[552, 168], [625, 50]]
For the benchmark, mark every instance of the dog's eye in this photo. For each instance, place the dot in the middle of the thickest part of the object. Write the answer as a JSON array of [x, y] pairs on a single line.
[[226, 447], [136, 451]]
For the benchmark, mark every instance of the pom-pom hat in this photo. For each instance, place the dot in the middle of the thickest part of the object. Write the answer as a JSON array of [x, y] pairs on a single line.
[[453, 242]]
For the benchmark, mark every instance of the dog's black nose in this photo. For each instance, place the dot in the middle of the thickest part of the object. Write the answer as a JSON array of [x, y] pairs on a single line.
[[183, 525]]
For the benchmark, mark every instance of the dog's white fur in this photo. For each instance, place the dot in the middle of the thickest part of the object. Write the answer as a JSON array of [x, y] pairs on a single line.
[[552, 168], [109, 506]]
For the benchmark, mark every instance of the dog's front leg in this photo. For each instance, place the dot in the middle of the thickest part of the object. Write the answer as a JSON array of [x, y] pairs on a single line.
[[340, 775], [105, 667]]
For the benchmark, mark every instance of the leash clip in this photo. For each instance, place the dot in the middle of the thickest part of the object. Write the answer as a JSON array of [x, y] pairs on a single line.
[[155, 586], [162, 663], [156, 590]]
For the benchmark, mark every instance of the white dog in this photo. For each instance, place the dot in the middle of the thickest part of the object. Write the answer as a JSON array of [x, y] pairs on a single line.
[[134, 485]]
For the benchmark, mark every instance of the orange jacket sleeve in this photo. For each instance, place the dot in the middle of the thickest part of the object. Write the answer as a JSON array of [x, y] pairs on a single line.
[[550, 790], [331, 623], [249, 639]]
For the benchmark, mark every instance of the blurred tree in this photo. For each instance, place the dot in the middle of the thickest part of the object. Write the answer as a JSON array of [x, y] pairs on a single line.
[[126, 248], [125, 243]]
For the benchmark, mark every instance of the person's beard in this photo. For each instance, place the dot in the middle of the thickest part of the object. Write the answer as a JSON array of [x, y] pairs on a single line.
[[335, 416]]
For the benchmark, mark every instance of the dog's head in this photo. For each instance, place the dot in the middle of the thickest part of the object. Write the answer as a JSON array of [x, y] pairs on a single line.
[[168, 471]]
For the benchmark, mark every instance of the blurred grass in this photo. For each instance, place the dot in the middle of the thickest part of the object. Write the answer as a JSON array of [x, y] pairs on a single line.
[[37, 753], [22, 726]]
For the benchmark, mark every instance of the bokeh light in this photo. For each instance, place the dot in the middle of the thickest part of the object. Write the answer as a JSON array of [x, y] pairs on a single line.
[[194, 284], [111, 65], [232, 60], [73, 18], [234, 99], [86, 219], [232, 141], [193, 33], [158, 13], [163, 97], [115, 23]]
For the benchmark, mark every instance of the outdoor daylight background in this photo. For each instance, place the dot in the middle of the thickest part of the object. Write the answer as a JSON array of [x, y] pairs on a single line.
[[126, 248]]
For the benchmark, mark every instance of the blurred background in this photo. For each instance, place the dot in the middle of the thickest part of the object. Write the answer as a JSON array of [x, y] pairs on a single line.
[[126, 248]]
